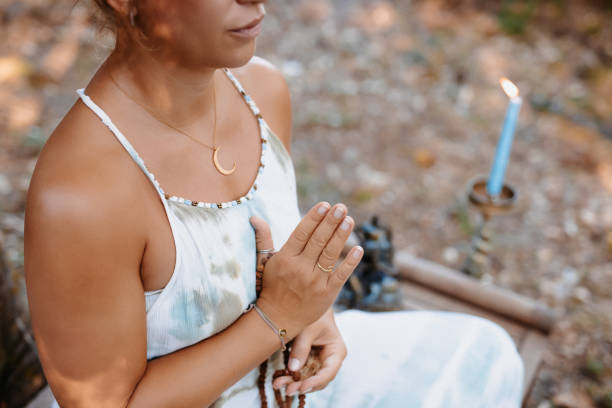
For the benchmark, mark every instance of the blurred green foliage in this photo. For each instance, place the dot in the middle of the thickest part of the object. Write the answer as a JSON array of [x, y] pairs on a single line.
[[514, 15]]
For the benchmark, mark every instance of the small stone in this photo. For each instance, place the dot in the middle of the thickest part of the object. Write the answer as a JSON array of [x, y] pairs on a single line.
[[350, 154], [569, 226], [588, 217], [544, 255], [334, 172], [315, 11], [12, 222], [450, 255], [582, 294], [372, 178], [552, 232], [6, 187], [292, 68], [573, 399]]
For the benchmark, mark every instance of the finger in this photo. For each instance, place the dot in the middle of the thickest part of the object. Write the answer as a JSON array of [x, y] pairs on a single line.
[[324, 231], [326, 373], [334, 247], [338, 277], [281, 381], [301, 234], [293, 387], [299, 352], [263, 235]]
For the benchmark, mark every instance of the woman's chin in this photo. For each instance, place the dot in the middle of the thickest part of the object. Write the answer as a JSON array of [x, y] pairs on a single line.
[[228, 59], [240, 57]]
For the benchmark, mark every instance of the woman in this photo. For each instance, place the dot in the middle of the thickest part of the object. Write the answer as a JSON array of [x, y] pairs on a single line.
[[134, 303]]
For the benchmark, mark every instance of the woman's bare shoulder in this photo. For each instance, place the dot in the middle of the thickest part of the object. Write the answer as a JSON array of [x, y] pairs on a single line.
[[269, 89], [81, 172]]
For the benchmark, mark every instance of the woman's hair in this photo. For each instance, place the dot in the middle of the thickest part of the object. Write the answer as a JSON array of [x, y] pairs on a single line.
[[105, 14], [109, 21]]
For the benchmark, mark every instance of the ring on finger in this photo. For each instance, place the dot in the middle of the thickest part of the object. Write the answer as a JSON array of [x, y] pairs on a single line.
[[331, 268], [265, 251]]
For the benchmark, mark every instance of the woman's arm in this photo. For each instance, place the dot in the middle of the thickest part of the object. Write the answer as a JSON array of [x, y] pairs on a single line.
[[82, 261]]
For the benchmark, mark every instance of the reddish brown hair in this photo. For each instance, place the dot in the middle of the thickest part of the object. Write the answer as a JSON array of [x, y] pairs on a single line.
[[106, 14]]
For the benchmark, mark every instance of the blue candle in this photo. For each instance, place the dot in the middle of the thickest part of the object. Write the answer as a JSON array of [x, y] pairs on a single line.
[[496, 178]]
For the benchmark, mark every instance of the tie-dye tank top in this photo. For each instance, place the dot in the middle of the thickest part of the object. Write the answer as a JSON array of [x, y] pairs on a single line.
[[213, 280]]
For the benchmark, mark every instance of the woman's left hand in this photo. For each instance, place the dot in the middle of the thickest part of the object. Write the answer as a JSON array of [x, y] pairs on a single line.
[[322, 332]]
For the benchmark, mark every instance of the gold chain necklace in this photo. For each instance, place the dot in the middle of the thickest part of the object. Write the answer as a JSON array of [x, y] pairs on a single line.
[[216, 149]]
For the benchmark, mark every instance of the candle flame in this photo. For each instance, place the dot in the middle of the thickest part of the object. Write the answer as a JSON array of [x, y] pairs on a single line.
[[509, 88]]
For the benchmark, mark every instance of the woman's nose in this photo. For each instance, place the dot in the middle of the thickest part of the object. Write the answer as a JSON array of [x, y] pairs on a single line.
[[258, 3]]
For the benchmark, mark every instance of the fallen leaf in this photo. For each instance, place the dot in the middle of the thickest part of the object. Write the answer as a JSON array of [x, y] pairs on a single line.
[[424, 158], [12, 68]]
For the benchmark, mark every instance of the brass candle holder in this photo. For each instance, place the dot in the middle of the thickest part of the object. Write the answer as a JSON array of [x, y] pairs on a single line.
[[477, 262]]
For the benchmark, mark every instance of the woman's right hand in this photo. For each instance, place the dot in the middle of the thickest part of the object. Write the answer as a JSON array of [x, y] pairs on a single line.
[[295, 291]]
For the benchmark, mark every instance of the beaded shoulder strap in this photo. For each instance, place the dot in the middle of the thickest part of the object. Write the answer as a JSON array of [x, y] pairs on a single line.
[[250, 102], [246, 96], [122, 139]]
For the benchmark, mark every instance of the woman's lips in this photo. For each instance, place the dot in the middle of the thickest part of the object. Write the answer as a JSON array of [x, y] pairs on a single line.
[[248, 31]]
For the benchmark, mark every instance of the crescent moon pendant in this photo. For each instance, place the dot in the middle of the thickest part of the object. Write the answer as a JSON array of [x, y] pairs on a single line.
[[218, 165]]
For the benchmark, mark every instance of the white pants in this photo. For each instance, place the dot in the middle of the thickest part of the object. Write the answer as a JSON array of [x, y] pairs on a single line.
[[423, 359], [417, 359]]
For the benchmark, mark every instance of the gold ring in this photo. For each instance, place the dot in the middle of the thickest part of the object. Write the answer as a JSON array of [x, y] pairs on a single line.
[[331, 268]]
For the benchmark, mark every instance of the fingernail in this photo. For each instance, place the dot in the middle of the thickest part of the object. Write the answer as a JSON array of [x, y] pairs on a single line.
[[323, 208], [345, 224], [293, 393], [294, 364], [357, 252], [308, 390], [338, 213]]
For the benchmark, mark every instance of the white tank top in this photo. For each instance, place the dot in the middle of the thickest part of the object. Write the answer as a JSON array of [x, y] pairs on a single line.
[[213, 280]]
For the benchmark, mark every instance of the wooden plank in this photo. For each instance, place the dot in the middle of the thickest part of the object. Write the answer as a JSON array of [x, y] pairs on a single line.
[[410, 304], [532, 352], [456, 285]]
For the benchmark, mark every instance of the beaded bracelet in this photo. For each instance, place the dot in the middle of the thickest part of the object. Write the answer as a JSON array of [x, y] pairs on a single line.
[[281, 332]]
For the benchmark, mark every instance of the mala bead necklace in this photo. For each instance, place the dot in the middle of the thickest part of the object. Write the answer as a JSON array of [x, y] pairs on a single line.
[[311, 366]]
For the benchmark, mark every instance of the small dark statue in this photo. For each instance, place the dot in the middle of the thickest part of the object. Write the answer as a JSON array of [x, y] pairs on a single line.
[[373, 285]]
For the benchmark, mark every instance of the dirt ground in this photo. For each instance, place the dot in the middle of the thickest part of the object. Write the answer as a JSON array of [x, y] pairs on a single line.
[[396, 107]]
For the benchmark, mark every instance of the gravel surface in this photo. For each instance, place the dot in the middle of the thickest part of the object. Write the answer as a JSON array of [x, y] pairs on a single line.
[[396, 107]]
